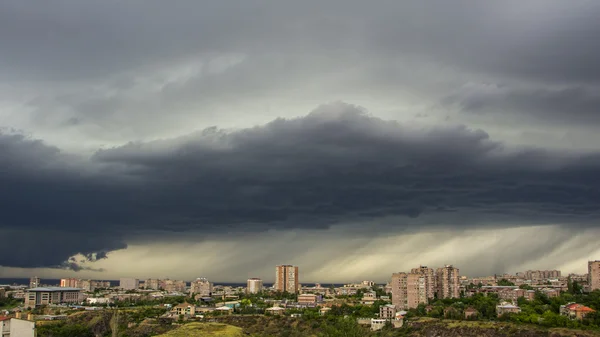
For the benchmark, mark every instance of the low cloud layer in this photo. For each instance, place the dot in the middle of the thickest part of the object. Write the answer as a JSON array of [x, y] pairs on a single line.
[[336, 165]]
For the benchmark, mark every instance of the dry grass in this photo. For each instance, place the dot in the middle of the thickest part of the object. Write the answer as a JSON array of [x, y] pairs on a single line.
[[204, 330]]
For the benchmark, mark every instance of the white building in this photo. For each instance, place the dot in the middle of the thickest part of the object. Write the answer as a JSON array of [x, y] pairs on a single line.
[[202, 287], [129, 283], [254, 286], [14, 327]]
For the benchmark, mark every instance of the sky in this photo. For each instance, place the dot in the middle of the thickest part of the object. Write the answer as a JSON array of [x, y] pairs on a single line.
[[354, 139]]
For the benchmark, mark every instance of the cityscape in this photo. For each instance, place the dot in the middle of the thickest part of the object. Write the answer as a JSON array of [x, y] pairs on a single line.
[[406, 291]]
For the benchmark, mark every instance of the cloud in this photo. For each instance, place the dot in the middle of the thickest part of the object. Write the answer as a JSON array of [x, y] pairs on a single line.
[[334, 166], [569, 105]]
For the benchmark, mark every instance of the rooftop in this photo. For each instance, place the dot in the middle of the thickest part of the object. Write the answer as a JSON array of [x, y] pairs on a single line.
[[46, 289]]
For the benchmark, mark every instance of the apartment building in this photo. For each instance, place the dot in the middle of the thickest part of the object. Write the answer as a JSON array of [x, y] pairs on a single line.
[[286, 278], [408, 290], [34, 282], [429, 277], [594, 275], [174, 285], [201, 286], [448, 282], [254, 286], [152, 284], [51, 295], [68, 282], [129, 283], [542, 274]]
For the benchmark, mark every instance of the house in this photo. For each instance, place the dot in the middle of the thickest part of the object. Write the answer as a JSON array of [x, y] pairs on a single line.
[[575, 311], [185, 309], [387, 311], [378, 324], [275, 310], [507, 308], [324, 310], [224, 310], [471, 313]]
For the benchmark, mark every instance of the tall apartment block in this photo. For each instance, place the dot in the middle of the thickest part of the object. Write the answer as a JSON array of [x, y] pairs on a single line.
[[408, 290], [34, 282], [286, 278], [129, 283], [429, 275], [448, 282], [201, 286], [69, 282], [254, 286], [594, 275]]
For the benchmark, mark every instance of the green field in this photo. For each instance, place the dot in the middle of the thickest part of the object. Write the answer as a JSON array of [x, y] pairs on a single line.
[[204, 329]]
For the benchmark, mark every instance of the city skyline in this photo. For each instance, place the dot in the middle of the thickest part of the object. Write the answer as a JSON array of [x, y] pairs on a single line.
[[218, 139]]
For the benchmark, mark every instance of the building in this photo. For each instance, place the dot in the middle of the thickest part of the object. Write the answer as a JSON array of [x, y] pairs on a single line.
[[51, 295], [429, 275], [541, 274], [594, 275], [68, 282], [174, 286], [308, 298], [129, 283], [154, 284], [201, 286], [254, 286], [471, 312], [34, 282], [387, 311], [286, 279], [448, 282], [185, 309], [575, 311], [16, 327], [408, 290], [507, 308]]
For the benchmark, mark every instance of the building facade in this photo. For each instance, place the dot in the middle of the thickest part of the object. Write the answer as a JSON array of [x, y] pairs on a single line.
[[429, 275], [34, 282], [448, 282], [408, 290], [254, 286], [68, 282], [594, 275], [286, 278], [129, 283], [51, 295], [201, 286]]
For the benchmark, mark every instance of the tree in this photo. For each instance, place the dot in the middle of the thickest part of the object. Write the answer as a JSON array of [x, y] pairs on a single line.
[[505, 282]]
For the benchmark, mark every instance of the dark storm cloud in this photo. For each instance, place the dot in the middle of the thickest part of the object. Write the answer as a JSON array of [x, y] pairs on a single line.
[[336, 165], [547, 40]]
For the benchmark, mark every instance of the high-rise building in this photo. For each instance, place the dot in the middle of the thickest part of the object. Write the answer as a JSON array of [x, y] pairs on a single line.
[[152, 284], [173, 285], [201, 286], [254, 286], [68, 282], [408, 290], [129, 283], [594, 275], [286, 278], [448, 282], [34, 282], [429, 275]]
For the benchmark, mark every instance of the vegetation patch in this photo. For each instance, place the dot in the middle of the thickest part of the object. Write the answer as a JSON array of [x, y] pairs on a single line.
[[205, 330]]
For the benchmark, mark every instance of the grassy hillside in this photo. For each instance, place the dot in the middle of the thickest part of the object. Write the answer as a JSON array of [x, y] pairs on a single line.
[[204, 330]]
